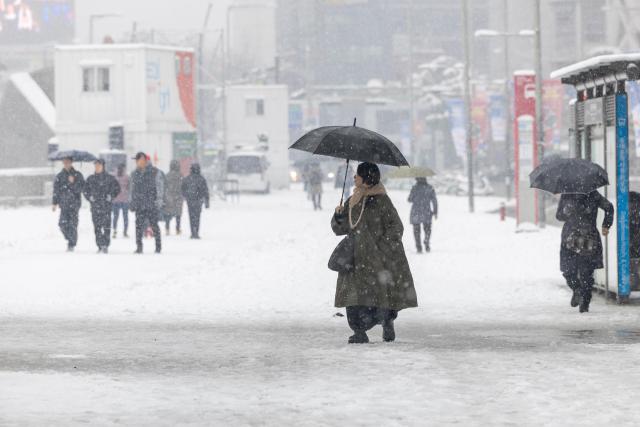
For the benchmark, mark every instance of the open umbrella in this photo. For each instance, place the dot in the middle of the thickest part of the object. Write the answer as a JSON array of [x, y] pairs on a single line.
[[76, 155], [351, 143], [411, 172], [568, 176]]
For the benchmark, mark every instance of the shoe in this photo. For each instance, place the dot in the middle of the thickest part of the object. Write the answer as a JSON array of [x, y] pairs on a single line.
[[99, 250], [70, 248], [388, 332], [125, 234], [419, 250], [584, 305], [158, 250], [575, 299], [105, 250], [359, 338], [115, 235], [178, 232], [138, 250], [427, 249]]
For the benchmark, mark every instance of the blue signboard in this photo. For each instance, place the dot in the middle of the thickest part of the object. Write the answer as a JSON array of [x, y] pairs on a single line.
[[622, 194]]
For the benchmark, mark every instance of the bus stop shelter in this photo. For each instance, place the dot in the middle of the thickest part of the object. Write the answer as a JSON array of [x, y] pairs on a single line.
[[600, 133]]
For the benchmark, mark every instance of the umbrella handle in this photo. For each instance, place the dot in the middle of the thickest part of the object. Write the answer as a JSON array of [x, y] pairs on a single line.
[[344, 184]]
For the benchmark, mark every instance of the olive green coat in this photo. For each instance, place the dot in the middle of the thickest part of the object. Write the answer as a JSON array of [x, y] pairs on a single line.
[[381, 277]]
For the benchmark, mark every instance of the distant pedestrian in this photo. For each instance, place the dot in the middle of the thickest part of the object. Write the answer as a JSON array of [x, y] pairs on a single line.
[[121, 202], [173, 200], [374, 279], [100, 190], [145, 199], [196, 192], [315, 186], [67, 194], [424, 208], [581, 248]]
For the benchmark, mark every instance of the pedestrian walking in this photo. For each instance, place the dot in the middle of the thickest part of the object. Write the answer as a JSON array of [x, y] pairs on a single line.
[[315, 186], [67, 194], [581, 247], [101, 190], [121, 202], [173, 200], [196, 192], [374, 279], [145, 199], [424, 208]]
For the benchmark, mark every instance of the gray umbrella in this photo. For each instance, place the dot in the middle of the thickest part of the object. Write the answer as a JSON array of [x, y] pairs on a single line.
[[568, 176]]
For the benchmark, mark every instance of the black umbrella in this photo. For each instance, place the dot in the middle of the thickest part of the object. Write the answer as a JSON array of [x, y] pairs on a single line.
[[351, 143], [568, 176], [76, 155]]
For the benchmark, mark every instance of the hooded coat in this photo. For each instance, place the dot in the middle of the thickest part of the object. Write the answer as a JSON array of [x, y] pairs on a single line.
[[381, 277], [173, 200], [194, 188], [579, 212], [424, 203]]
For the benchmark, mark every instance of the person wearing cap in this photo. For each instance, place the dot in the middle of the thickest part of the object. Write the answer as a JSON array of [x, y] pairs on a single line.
[[100, 190], [146, 199], [67, 194]]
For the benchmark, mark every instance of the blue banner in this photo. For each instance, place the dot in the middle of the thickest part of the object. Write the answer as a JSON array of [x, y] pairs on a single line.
[[622, 194]]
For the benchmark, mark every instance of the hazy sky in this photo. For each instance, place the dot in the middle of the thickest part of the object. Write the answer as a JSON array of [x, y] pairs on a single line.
[[160, 14]]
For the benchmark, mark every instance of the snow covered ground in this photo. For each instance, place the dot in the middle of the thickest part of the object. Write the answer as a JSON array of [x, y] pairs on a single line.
[[239, 328]]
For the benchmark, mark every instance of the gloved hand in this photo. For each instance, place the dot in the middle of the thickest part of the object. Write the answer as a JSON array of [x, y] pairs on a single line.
[[92, 199]]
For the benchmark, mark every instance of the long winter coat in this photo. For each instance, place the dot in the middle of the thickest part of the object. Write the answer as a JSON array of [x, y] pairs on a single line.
[[195, 189], [68, 195], [424, 203], [173, 200], [146, 189], [381, 277], [100, 190], [579, 213]]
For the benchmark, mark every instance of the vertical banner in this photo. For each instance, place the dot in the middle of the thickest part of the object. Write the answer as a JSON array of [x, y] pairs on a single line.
[[185, 149], [457, 124], [497, 118], [525, 147], [622, 194], [633, 91], [480, 121], [553, 103]]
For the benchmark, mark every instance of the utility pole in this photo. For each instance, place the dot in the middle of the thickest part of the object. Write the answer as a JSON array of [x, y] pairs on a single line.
[[507, 103], [412, 105], [199, 97], [467, 101], [539, 116]]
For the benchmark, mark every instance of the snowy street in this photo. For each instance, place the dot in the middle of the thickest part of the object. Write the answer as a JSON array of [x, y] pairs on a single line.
[[240, 329]]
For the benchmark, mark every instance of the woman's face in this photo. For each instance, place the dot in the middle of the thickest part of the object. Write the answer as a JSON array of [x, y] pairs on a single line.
[[358, 180]]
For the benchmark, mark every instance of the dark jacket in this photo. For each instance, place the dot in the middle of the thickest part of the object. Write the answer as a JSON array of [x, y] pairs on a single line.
[[100, 190], [634, 224], [173, 190], [68, 195], [425, 203], [381, 277], [146, 189], [579, 213], [195, 189]]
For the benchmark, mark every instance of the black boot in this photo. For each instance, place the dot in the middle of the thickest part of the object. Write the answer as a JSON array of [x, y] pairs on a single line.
[[138, 250], [388, 332], [584, 304], [360, 337], [575, 298]]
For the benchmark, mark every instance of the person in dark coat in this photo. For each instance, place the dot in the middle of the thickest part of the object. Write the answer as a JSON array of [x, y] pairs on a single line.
[[67, 194], [581, 248], [145, 199], [424, 208], [173, 200], [100, 190], [196, 192], [380, 284]]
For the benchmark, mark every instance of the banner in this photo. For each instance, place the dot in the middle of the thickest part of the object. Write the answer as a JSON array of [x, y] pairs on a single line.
[[553, 102], [480, 121], [633, 90], [497, 118], [457, 123]]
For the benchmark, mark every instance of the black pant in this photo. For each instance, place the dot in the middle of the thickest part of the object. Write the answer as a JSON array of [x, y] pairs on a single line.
[[144, 217], [195, 209], [362, 318], [167, 220], [101, 218], [427, 234], [580, 279], [68, 224]]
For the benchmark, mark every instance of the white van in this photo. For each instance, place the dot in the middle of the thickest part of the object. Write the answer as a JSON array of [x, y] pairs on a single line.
[[249, 168]]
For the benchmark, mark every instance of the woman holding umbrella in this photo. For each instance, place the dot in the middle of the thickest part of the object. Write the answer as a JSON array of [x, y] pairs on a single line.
[[581, 247]]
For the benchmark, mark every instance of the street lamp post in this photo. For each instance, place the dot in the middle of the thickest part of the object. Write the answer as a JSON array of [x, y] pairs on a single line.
[[506, 35], [94, 17], [539, 116], [467, 102]]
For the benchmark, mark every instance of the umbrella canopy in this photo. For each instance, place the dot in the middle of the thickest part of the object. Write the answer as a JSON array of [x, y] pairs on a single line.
[[351, 143], [568, 176], [411, 172], [76, 155]]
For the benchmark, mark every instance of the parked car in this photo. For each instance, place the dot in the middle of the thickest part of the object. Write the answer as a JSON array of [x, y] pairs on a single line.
[[249, 168]]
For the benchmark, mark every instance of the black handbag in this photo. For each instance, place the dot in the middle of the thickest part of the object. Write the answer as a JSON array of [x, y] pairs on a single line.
[[342, 259], [581, 243]]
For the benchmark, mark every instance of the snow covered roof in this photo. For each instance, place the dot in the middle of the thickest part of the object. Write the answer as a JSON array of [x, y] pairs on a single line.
[[36, 97], [622, 66], [122, 46]]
